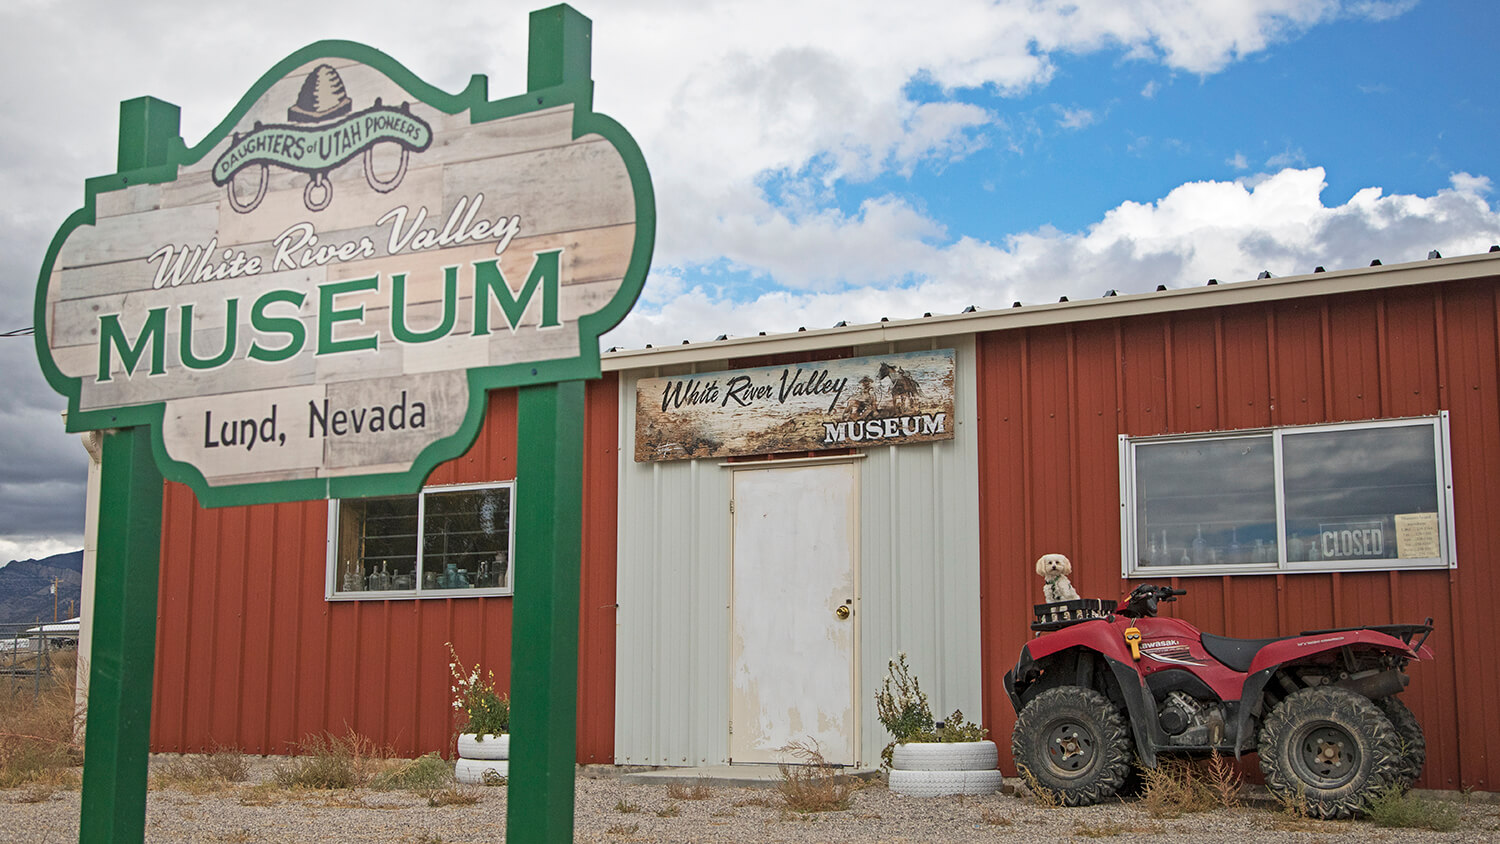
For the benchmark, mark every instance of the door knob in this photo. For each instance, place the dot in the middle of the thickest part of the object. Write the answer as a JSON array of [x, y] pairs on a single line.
[[842, 612]]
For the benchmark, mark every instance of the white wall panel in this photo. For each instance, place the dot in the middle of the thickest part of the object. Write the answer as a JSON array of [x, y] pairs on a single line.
[[918, 589]]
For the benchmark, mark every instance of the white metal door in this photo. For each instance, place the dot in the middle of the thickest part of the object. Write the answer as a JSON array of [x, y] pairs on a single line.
[[793, 611]]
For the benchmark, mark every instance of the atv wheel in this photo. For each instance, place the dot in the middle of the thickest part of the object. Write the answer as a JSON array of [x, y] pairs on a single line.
[[1413, 743], [1329, 747], [1073, 742]]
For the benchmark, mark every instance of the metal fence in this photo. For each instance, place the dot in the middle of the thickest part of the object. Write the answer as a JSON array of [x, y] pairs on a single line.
[[35, 657]]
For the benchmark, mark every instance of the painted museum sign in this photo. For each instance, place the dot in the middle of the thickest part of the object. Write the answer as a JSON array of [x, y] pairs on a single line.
[[313, 300], [858, 403]]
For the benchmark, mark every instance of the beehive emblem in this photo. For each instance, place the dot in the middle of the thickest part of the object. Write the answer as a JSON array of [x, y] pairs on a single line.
[[322, 133]]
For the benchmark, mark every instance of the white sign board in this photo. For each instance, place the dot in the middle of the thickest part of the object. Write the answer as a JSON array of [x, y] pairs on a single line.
[[325, 287], [835, 404]]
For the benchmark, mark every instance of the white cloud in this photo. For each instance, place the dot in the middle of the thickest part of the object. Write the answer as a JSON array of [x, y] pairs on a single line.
[[1238, 162], [1380, 10], [1074, 118], [14, 548], [1225, 230], [1286, 158], [752, 117], [1465, 183]]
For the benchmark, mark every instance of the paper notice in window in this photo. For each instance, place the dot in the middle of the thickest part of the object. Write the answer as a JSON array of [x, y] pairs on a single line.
[[1417, 536]]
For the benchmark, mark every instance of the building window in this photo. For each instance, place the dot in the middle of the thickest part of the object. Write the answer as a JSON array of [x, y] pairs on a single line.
[[1349, 497], [443, 542]]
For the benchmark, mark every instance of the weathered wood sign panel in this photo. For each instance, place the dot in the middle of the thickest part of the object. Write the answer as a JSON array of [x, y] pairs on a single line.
[[323, 289], [859, 403]]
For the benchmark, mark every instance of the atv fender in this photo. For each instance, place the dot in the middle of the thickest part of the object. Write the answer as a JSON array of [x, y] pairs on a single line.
[[1140, 706], [1289, 651], [1299, 648]]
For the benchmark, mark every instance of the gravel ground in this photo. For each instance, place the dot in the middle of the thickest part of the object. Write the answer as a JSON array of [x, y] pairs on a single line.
[[247, 813]]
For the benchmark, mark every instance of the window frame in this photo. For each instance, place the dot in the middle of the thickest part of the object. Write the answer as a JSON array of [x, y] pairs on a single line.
[[1130, 567], [418, 592]]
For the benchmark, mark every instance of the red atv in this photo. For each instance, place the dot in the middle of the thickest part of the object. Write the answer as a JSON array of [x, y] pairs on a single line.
[[1104, 685]]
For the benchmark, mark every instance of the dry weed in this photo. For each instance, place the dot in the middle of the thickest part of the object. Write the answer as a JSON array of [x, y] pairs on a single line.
[[1045, 797], [37, 732], [994, 818], [672, 811], [452, 795], [327, 761], [623, 829], [699, 790], [1100, 830], [1174, 788], [625, 807], [262, 794], [1109, 829], [1225, 780], [811, 784], [204, 774], [36, 793]]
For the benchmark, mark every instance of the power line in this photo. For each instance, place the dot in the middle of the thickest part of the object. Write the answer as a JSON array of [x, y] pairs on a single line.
[[20, 332]]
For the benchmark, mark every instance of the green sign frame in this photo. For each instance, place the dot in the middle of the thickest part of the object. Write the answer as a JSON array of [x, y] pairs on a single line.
[[549, 466]]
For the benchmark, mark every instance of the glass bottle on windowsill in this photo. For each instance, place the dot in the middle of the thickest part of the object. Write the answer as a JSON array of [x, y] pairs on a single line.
[[1200, 548]]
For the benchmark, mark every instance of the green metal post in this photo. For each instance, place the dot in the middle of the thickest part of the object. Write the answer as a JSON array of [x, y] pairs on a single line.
[[544, 624], [549, 531], [123, 655], [560, 48]]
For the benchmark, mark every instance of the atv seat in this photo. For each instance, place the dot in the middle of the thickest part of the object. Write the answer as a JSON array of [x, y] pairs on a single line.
[[1236, 653]]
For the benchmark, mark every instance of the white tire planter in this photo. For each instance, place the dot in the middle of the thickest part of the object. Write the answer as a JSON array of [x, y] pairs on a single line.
[[481, 757], [941, 783], [471, 746], [946, 756], [934, 769], [474, 771]]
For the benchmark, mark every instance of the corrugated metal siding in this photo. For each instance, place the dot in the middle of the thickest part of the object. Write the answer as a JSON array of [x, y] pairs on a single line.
[[1054, 400], [918, 573], [251, 655]]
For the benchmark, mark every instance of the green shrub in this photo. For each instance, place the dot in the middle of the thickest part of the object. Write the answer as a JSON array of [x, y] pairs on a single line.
[[424, 773], [901, 704], [902, 709], [484, 710], [1395, 809]]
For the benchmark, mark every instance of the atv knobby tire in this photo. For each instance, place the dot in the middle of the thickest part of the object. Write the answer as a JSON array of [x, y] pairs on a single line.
[[1413, 742], [1073, 742], [1332, 749]]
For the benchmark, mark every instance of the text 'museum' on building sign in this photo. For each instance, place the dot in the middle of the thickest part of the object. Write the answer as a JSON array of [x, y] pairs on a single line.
[[856, 403], [313, 300]]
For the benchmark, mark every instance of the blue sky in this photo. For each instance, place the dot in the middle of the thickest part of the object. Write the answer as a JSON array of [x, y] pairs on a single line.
[[817, 161]]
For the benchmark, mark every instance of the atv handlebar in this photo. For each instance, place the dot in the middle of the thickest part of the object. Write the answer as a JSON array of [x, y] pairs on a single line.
[[1142, 601]]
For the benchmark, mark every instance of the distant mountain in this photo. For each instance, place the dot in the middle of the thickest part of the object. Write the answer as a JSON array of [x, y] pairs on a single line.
[[26, 588]]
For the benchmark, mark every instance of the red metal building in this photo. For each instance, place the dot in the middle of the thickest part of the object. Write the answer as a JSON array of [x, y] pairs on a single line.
[[252, 653]]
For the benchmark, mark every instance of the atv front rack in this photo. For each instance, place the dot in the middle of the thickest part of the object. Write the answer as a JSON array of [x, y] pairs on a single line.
[[1060, 614]]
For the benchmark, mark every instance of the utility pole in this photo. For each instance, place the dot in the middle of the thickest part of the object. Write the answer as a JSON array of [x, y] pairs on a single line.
[[55, 580]]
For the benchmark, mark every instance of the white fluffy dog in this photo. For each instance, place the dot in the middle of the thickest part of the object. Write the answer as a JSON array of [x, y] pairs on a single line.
[[1054, 569]]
